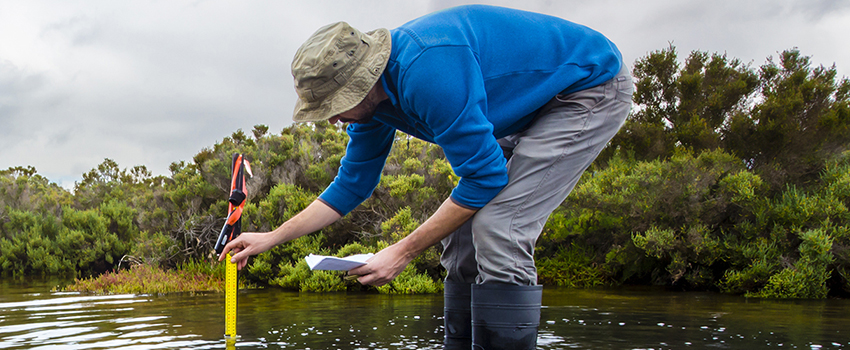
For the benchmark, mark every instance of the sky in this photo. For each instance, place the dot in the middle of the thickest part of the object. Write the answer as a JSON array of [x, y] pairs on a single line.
[[154, 82]]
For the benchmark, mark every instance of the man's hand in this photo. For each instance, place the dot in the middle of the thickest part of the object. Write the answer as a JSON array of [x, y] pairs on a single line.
[[389, 262], [247, 244], [383, 267], [315, 217]]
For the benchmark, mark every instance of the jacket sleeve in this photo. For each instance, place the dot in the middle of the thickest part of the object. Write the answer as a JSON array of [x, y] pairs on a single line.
[[360, 168], [444, 87]]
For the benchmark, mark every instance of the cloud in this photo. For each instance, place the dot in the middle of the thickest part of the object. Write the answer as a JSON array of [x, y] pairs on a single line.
[[26, 98], [13, 83], [81, 30], [141, 84], [149, 83], [816, 10]]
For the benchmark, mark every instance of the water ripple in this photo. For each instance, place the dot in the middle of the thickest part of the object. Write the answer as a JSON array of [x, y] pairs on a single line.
[[572, 319], [73, 321]]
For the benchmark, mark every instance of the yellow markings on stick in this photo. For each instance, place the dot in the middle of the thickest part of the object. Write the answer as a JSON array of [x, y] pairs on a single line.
[[230, 299]]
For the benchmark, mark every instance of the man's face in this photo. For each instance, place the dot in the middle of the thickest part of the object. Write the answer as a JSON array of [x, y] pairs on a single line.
[[361, 113], [352, 116]]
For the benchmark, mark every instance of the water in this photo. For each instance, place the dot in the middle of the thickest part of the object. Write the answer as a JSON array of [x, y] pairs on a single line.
[[31, 317]]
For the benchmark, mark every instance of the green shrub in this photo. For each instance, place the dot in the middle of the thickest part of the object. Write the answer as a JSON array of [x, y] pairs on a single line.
[[32, 249], [797, 208], [155, 249], [354, 248], [803, 281], [291, 275], [571, 267], [401, 185], [261, 270], [656, 242], [323, 281], [282, 203], [400, 226], [763, 261], [86, 238], [409, 281], [279, 261], [742, 187], [836, 179]]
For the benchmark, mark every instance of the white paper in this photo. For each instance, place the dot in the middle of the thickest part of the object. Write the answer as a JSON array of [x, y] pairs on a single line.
[[321, 262]]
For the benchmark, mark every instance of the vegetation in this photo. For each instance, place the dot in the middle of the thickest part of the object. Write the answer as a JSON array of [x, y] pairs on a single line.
[[725, 177], [191, 276]]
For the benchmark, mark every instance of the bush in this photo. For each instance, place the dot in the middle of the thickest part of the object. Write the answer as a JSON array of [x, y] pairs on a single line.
[[277, 265], [282, 203], [155, 249], [702, 222], [409, 281], [571, 267], [807, 278]]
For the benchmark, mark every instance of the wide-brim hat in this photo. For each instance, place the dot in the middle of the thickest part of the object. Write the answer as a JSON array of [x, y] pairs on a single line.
[[335, 69]]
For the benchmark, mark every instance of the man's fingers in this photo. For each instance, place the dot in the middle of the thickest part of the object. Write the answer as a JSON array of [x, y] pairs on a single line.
[[231, 246], [372, 280], [223, 254], [236, 256], [366, 276], [360, 270], [239, 255], [358, 273]]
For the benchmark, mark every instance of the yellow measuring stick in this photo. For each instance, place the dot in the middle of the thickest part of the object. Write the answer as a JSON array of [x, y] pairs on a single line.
[[230, 287], [232, 228]]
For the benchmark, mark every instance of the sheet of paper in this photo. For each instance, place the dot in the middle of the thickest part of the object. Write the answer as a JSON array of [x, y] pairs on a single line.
[[321, 262]]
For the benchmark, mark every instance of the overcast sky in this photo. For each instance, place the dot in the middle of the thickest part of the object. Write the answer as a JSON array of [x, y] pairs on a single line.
[[153, 82]]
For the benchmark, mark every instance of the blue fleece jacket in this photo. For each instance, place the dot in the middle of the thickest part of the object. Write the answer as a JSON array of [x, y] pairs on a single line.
[[462, 78]]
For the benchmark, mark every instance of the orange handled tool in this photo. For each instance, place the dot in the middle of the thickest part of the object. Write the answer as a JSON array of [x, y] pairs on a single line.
[[236, 203]]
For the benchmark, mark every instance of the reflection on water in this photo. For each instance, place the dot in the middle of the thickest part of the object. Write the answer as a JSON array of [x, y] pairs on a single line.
[[643, 319], [33, 318]]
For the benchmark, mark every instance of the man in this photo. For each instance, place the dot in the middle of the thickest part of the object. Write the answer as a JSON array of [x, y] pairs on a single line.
[[521, 104]]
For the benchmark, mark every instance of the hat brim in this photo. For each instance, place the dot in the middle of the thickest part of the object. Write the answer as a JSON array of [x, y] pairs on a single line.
[[355, 89]]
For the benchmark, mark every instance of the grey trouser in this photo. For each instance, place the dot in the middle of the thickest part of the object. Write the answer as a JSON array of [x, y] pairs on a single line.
[[544, 163]]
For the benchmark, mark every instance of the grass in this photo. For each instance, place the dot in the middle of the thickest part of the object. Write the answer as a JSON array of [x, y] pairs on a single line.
[[147, 279]]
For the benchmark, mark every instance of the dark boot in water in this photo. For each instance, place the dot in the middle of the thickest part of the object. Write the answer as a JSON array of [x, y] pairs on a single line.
[[505, 316], [457, 315]]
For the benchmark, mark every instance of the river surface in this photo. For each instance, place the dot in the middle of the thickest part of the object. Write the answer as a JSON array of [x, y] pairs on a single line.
[[32, 317]]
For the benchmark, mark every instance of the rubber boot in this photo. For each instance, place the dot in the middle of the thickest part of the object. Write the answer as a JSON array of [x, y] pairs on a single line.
[[505, 316], [457, 315]]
